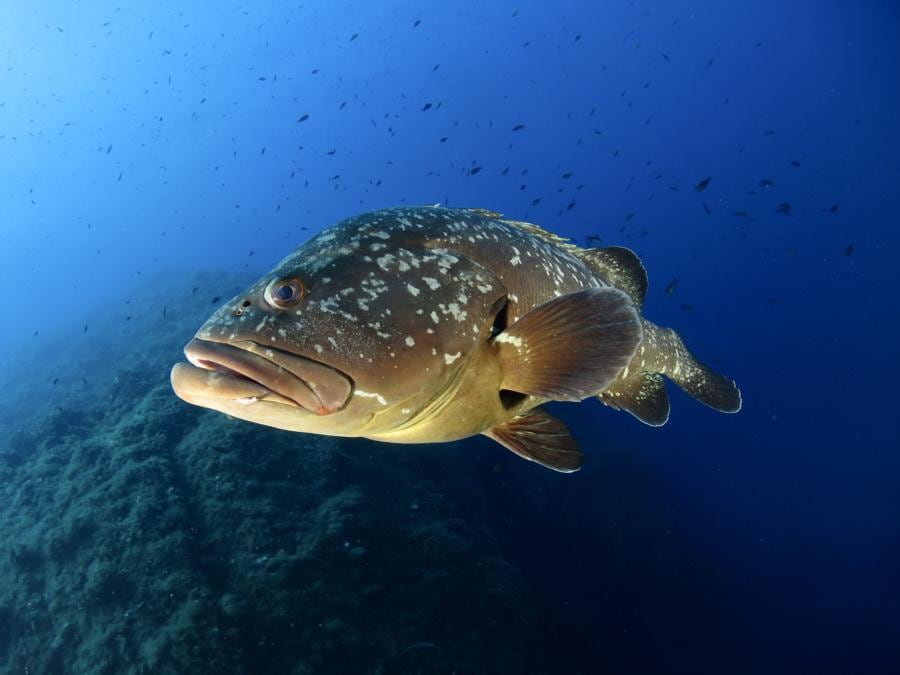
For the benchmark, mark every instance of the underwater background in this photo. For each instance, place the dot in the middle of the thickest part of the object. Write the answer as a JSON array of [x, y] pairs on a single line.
[[157, 157]]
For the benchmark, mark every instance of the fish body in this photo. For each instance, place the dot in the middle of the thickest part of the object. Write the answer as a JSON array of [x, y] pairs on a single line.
[[429, 324]]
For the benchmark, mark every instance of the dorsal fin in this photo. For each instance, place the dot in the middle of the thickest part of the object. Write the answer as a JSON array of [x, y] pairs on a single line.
[[541, 233], [487, 213], [620, 266]]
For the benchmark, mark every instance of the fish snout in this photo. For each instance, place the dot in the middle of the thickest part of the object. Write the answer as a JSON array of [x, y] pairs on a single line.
[[247, 372]]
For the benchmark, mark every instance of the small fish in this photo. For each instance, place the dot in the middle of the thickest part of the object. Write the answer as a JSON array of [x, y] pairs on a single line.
[[795, 162], [848, 251], [518, 127], [766, 183], [706, 208], [354, 36], [411, 333], [474, 170], [303, 118], [425, 107], [833, 208], [740, 214], [702, 185], [670, 289], [784, 209], [215, 299], [85, 328], [687, 308]]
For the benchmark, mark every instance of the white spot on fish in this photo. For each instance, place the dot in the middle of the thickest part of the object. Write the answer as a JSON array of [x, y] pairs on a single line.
[[366, 394], [450, 358], [410, 342], [412, 289], [458, 314], [514, 340], [433, 284]]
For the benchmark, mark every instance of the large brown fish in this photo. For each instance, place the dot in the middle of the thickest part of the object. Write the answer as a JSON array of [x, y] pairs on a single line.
[[418, 325]]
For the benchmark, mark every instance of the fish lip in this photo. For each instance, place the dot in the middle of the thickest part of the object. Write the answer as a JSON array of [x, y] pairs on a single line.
[[295, 380]]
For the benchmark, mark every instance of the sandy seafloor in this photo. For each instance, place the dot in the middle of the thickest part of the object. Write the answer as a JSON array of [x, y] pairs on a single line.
[[144, 535]]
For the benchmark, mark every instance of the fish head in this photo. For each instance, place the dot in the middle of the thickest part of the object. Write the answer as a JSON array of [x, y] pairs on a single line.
[[355, 332]]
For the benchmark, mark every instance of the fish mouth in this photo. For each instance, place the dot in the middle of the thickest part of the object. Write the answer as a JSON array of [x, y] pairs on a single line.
[[246, 372]]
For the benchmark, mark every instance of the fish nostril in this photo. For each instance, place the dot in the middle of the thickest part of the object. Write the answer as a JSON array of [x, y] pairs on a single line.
[[240, 310]]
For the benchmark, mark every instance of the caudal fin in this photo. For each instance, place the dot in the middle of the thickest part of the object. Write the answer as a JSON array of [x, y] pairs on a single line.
[[663, 351]]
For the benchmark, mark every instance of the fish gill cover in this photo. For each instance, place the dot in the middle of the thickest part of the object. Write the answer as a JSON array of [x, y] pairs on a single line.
[[158, 161]]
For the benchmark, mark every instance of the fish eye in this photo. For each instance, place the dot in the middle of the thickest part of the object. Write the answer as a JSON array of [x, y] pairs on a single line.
[[285, 292]]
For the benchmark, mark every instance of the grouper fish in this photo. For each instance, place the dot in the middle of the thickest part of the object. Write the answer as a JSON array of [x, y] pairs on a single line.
[[431, 324]]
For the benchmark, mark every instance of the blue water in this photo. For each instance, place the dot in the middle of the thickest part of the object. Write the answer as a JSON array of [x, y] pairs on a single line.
[[143, 143]]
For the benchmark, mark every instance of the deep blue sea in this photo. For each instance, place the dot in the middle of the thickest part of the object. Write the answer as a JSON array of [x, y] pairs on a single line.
[[157, 158]]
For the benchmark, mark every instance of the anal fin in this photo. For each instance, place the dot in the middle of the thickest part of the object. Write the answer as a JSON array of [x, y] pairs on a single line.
[[539, 437], [642, 394]]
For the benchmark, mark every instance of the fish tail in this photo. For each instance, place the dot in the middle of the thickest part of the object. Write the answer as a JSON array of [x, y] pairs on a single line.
[[663, 351]]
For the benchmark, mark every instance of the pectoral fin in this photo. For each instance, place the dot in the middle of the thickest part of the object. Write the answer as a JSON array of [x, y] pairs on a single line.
[[541, 438], [570, 347]]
